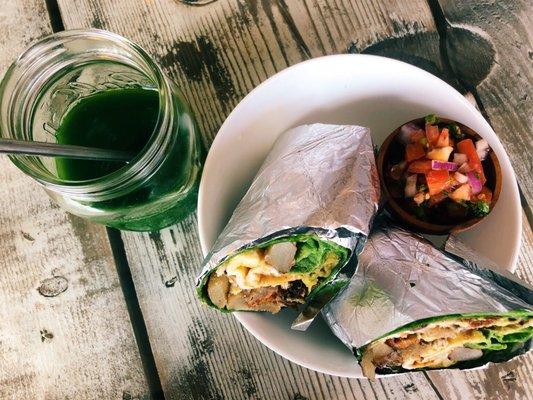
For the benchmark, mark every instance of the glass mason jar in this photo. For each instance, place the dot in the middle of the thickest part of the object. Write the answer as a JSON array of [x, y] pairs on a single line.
[[158, 187]]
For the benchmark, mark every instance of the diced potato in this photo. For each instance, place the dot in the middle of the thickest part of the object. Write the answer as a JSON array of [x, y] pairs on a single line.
[[440, 154], [217, 289], [462, 193]]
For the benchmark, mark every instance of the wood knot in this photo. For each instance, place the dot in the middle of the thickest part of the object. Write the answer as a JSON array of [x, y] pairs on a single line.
[[27, 236], [197, 2], [46, 335], [508, 379], [410, 388], [171, 282], [52, 287]]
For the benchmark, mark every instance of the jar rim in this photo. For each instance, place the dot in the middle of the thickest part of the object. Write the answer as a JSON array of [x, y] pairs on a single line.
[[144, 163]]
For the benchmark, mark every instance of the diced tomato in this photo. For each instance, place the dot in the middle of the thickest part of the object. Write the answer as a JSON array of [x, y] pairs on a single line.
[[437, 181], [420, 166], [484, 195], [414, 152], [432, 134], [417, 135], [444, 138], [467, 147]]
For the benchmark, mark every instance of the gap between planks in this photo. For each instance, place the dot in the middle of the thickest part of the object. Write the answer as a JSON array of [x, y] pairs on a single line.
[[193, 26], [135, 313], [123, 270]]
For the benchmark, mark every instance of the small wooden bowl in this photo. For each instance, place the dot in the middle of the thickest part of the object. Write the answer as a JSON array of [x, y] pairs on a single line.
[[491, 168]]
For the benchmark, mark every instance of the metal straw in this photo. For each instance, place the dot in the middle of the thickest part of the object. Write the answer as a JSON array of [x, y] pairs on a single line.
[[10, 146]]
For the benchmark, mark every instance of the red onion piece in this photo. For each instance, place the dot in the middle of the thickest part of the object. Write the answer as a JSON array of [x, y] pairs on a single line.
[[444, 165], [459, 158], [464, 168], [482, 149], [406, 131], [410, 186], [474, 182], [460, 177]]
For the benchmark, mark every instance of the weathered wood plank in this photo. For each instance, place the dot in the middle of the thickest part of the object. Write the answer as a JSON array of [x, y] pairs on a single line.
[[217, 54], [489, 45], [64, 330]]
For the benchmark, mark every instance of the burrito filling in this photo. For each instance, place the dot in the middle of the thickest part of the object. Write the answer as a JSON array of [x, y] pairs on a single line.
[[445, 343], [277, 274]]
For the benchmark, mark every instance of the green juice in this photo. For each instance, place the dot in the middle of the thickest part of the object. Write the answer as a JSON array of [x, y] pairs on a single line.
[[124, 119], [118, 119]]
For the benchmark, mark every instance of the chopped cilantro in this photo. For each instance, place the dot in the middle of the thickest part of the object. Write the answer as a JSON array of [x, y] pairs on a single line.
[[431, 119], [478, 208], [456, 132]]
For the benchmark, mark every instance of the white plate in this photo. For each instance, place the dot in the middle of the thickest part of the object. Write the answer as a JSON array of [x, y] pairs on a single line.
[[373, 91]]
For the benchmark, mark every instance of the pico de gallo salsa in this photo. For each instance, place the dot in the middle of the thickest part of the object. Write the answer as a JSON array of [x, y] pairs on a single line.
[[438, 174]]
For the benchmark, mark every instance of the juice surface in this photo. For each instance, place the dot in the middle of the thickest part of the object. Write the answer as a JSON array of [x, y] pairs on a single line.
[[117, 119]]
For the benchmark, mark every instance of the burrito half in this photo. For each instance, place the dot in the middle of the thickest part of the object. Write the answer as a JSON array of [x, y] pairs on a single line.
[[308, 209], [410, 306]]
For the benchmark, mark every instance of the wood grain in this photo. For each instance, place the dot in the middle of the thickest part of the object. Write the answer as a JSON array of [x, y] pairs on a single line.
[[64, 330], [489, 46], [217, 54]]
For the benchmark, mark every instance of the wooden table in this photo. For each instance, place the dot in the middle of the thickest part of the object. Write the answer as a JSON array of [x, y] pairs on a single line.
[[90, 313]]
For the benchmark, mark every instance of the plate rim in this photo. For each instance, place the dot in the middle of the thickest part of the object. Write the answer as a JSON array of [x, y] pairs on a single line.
[[279, 75]]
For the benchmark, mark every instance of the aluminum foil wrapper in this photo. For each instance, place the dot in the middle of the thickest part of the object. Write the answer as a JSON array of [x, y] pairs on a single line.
[[402, 278], [317, 178], [490, 270]]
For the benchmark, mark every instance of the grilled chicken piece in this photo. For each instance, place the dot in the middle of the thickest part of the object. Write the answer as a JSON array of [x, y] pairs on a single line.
[[237, 302], [281, 256], [479, 323], [391, 359], [262, 299], [437, 332], [260, 296], [270, 299], [402, 343]]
